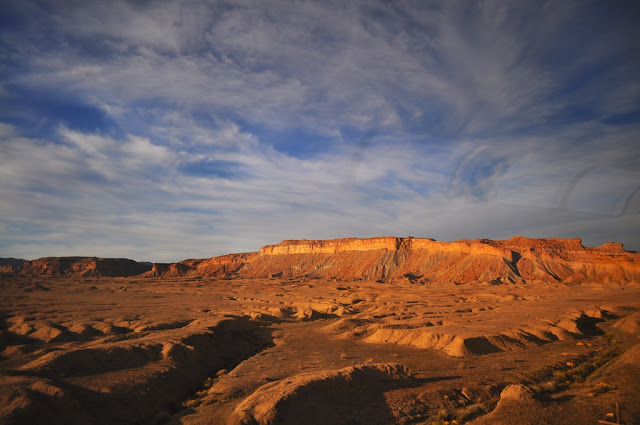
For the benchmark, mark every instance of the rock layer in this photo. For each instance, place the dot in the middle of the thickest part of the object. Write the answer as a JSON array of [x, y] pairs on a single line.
[[409, 260], [75, 266], [423, 261]]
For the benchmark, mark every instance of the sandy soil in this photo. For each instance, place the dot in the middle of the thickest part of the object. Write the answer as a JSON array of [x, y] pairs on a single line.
[[290, 351]]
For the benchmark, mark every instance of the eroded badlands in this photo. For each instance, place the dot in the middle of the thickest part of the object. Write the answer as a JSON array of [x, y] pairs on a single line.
[[382, 331]]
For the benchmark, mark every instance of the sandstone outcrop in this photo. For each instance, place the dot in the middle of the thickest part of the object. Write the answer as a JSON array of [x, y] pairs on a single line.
[[77, 266], [424, 261], [389, 259], [10, 265]]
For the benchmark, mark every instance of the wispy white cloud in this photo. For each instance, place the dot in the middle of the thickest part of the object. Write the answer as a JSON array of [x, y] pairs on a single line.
[[443, 68], [132, 197], [434, 119], [135, 192]]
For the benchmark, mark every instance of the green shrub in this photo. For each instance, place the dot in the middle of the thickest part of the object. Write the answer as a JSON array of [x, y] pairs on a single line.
[[602, 387], [443, 415], [548, 387], [192, 402], [471, 412]]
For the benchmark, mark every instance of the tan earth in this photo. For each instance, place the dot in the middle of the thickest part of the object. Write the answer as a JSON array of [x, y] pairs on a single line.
[[350, 331]]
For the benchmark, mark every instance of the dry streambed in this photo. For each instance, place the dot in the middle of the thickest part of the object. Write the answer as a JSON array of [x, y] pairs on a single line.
[[291, 351]]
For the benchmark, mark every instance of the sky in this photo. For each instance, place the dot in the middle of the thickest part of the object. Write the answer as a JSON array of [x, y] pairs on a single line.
[[166, 130]]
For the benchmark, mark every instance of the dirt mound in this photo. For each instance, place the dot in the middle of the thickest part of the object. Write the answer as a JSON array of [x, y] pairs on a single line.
[[131, 380], [354, 394], [36, 287], [32, 400], [88, 361], [42, 330], [629, 324], [514, 406], [516, 392], [424, 334], [461, 347]]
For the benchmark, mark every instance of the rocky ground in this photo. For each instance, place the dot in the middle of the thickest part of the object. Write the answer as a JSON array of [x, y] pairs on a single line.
[[279, 350]]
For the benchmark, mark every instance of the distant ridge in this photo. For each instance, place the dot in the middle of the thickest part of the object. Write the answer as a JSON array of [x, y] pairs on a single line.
[[423, 261], [75, 266], [389, 259], [9, 265]]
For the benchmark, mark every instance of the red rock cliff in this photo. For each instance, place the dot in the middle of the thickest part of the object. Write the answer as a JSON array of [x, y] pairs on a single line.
[[415, 260], [82, 266], [428, 261]]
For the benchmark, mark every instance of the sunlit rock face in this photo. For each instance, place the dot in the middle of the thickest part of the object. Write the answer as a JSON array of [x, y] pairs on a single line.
[[425, 261], [413, 260]]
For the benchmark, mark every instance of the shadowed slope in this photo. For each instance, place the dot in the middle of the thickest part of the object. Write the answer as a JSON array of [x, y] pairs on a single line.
[[75, 266]]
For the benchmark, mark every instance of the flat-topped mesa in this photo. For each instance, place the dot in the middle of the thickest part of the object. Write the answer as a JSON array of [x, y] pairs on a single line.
[[475, 247], [413, 260], [331, 246], [387, 243], [422, 260]]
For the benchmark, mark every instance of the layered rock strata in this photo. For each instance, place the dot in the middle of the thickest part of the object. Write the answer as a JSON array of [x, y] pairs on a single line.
[[423, 261], [76, 266], [410, 260]]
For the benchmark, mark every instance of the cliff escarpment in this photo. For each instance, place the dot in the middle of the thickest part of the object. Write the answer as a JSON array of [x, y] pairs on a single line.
[[423, 261], [76, 266], [411, 260]]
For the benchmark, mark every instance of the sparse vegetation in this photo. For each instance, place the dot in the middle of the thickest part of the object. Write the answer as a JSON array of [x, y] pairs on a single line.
[[192, 402], [601, 388], [471, 412], [196, 399], [546, 387], [614, 342], [578, 372], [443, 415], [445, 422], [460, 416]]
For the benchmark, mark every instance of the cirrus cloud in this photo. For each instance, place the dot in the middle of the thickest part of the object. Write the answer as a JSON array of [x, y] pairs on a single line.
[[164, 130]]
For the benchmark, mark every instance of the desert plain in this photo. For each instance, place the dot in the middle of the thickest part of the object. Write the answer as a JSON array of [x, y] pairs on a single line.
[[350, 331]]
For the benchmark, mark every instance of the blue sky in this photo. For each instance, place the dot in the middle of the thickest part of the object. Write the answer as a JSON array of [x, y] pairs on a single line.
[[165, 130]]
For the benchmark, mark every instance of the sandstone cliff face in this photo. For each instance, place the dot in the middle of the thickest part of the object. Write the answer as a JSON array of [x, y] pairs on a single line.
[[82, 266], [410, 260], [10, 265], [222, 266], [426, 261], [330, 246]]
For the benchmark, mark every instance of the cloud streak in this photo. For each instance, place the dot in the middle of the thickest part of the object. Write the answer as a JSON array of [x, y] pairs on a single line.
[[167, 130]]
